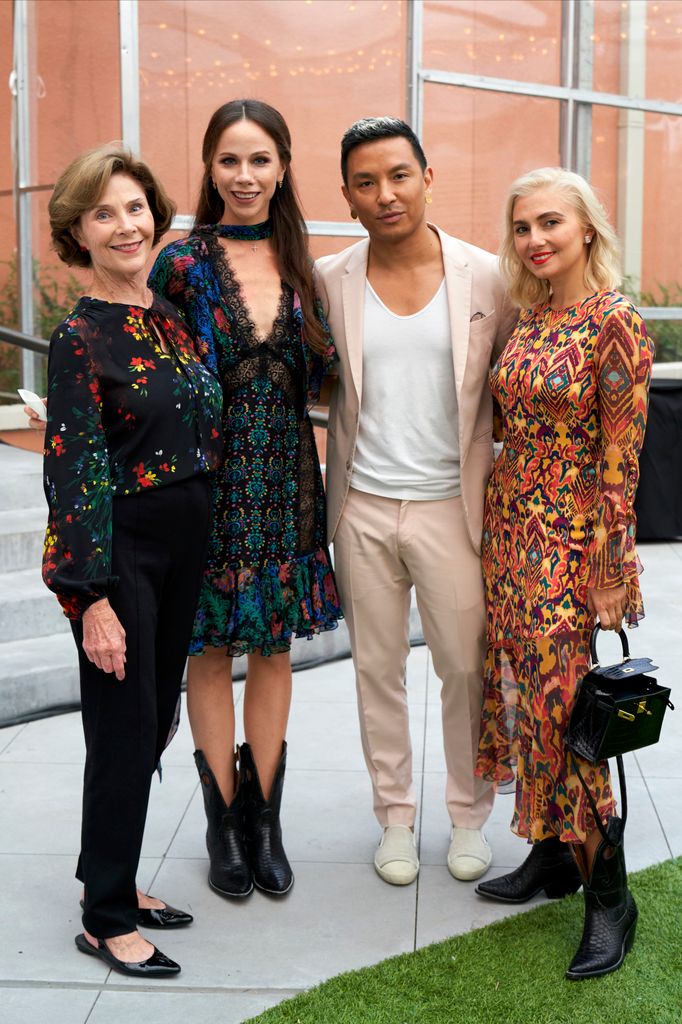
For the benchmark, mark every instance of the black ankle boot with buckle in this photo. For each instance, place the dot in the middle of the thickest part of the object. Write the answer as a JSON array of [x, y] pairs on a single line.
[[549, 866], [262, 829], [229, 873], [610, 911]]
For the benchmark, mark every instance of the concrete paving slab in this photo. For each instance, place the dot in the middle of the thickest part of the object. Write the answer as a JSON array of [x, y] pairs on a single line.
[[665, 796], [182, 1007], [45, 819], [40, 918], [240, 957], [40, 809], [326, 817], [54, 740], [447, 907], [328, 923], [59, 1006], [326, 736], [8, 734]]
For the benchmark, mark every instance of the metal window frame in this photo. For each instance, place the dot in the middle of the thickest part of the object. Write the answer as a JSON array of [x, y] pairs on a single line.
[[21, 139], [576, 99], [129, 45]]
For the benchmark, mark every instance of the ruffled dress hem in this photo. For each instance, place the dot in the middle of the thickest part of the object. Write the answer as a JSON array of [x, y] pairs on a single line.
[[265, 608]]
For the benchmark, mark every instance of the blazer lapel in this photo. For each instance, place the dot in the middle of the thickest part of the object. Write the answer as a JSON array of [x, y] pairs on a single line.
[[458, 284], [353, 295]]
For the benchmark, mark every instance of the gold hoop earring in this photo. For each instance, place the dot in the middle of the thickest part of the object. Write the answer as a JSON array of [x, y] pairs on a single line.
[[353, 214], [428, 198]]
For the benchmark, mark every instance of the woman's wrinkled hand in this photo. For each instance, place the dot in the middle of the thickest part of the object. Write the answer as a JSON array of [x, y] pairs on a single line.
[[34, 420], [104, 638], [607, 605]]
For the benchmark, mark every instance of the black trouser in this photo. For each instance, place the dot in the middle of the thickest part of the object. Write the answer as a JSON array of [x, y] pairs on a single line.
[[158, 552]]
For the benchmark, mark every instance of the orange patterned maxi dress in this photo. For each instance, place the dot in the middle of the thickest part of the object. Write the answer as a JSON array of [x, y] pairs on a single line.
[[572, 386]]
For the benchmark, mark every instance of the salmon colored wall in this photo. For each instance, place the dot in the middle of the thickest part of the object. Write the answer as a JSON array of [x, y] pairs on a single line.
[[324, 63]]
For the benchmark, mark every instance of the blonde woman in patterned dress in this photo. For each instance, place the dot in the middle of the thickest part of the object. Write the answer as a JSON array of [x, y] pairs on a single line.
[[559, 544]]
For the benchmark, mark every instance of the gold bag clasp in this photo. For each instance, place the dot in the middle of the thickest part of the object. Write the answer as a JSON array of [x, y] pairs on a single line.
[[642, 708], [626, 715]]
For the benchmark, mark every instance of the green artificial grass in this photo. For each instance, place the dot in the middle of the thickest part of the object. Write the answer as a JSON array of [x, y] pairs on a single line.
[[512, 972]]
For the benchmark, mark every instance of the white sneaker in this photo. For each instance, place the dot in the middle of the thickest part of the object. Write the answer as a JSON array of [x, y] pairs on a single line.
[[396, 858], [469, 855]]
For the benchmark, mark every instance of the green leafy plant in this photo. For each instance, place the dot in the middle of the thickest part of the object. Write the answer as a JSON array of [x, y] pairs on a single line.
[[54, 295], [667, 334]]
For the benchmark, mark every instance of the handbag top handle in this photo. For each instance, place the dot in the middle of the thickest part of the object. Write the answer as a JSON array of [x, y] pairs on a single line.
[[593, 645]]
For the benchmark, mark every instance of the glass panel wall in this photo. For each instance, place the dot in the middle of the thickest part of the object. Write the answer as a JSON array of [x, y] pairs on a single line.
[[519, 39], [325, 63], [321, 63], [462, 133]]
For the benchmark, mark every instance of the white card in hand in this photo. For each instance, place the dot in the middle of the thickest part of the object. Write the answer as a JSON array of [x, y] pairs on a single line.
[[33, 401]]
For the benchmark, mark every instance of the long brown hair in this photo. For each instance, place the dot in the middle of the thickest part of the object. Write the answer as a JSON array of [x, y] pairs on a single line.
[[289, 234]]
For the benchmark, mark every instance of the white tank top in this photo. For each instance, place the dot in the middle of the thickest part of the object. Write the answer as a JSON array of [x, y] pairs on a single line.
[[407, 445]]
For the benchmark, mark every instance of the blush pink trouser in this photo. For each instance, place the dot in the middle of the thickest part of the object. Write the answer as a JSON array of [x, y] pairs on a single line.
[[382, 548]]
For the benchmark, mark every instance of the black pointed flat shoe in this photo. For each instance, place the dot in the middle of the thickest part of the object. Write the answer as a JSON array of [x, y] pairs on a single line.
[[157, 966], [165, 917]]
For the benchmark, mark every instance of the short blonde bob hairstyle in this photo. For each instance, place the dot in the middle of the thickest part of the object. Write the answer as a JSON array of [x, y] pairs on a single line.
[[81, 185], [603, 270]]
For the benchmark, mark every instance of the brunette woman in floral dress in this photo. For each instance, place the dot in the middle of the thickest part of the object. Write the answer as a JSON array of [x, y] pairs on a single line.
[[243, 280], [559, 544]]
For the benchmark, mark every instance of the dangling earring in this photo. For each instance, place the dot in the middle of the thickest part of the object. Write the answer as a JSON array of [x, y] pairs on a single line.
[[280, 184], [353, 214], [428, 198], [214, 184]]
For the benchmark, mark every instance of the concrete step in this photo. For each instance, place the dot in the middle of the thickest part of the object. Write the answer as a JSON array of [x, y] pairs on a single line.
[[21, 538], [27, 608], [21, 479], [37, 675]]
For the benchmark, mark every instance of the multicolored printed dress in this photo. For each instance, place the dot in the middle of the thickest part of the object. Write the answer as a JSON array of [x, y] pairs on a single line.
[[572, 386], [269, 576]]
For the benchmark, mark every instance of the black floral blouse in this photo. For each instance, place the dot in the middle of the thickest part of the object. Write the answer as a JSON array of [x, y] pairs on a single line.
[[123, 415]]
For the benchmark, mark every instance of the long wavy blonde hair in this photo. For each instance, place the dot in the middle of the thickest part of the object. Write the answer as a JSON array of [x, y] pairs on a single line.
[[603, 268]]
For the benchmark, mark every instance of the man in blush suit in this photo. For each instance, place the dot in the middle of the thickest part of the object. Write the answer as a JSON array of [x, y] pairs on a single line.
[[417, 317]]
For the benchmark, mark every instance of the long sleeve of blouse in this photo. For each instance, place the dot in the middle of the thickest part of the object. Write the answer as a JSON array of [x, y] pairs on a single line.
[[624, 355], [124, 414]]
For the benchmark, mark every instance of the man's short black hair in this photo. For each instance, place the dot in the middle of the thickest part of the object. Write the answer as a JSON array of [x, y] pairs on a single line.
[[372, 129]]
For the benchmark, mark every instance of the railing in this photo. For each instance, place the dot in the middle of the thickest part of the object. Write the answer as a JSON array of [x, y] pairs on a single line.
[[27, 341]]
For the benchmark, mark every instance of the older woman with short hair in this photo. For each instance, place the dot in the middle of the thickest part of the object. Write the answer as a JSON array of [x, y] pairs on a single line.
[[132, 436]]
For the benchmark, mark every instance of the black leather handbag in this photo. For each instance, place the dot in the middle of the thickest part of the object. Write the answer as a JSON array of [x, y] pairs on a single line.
[[618, 708]]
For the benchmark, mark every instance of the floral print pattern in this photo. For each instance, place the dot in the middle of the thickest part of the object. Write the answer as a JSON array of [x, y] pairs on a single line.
[[123, 415], [268, 576]]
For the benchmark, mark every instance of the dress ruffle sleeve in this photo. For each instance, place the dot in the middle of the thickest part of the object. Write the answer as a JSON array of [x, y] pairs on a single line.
[[184, 275], [77, 549], [624, 355]]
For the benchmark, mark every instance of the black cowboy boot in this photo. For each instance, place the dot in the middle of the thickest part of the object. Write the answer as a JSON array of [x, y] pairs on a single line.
[[610, 911], [229, 873], [262, 830], [549, 866]]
